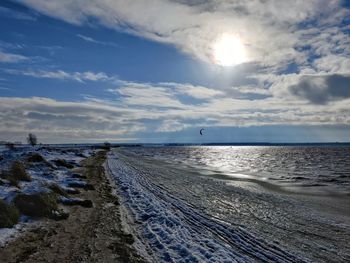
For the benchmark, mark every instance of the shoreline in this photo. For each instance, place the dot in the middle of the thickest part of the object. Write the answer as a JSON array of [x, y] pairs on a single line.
[[184, 216], [91, 234], [145, 211]]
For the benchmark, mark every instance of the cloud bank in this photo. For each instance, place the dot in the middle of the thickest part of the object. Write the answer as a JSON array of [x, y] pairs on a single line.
[[274, 32], [135, 108], [322, 89]]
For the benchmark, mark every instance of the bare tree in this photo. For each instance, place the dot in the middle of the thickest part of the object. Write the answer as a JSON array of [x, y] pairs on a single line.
[[31, 139]]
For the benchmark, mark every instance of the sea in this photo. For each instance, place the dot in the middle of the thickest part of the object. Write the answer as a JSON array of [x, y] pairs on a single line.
[[237, 203], [318, 170]]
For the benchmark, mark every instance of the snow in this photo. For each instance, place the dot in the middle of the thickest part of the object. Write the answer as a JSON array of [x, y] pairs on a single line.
[[9, 234], [6, 234], [174, 231], [43, 174]]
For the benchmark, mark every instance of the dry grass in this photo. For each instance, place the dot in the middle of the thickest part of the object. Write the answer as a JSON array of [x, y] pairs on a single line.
[[18, 172], [57, 189], [35, 158], [63, 163], [9, 215], [36, 205]]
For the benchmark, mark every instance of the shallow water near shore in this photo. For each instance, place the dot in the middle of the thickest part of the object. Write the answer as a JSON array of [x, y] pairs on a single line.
[[284, 204], [320, 170]]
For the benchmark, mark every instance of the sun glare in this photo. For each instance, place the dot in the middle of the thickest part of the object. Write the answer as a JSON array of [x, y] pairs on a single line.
[[229, 51]]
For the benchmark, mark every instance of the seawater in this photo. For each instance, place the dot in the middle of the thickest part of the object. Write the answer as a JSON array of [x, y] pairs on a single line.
[[308, 169]]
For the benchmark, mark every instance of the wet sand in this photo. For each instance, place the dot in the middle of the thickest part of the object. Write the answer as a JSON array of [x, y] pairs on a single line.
[[88, 235]]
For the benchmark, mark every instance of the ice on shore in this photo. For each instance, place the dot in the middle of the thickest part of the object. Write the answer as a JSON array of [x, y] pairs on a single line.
[[173, 231]]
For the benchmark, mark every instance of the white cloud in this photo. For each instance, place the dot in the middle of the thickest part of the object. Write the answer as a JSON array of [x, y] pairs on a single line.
[[275, 33], [65, 121], [92, 40], [333, 64], [164, 94], [197, 92], [162, 101], [280, 99], [137, 94], [63, 75], [11, 58], [172, 126], [270, 29], [87, 39], [151, 107]]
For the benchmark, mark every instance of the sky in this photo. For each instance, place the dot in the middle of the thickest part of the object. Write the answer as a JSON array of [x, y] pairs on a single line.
[[157, 71]]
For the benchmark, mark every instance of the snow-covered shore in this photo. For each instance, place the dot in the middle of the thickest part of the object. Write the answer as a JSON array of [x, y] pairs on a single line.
[[164, 213], [182, 216], [49, 169], [173, 230], [90, 233]]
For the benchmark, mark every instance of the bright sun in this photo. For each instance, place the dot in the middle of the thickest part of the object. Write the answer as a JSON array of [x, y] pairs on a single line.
[[229, 51]]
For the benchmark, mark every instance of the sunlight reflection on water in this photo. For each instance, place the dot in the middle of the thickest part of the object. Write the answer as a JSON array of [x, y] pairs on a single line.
[[316, 168]]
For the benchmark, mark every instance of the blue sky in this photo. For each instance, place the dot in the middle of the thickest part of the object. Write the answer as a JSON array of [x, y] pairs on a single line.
[[156, 71]]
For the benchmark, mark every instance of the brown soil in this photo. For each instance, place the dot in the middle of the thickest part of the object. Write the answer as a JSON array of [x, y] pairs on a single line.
[[88, 235]]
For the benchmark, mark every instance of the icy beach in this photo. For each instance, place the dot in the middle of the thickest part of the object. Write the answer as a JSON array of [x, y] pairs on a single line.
[[181, 215], [31, 176], [66, 211], [177, 204]]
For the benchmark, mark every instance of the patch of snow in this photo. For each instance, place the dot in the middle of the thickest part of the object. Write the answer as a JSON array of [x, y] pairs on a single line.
[[9, 234], [6, 234], [8, 192], [42, 174]]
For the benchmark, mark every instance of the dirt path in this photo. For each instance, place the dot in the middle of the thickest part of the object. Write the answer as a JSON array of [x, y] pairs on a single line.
[[88, 235]]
